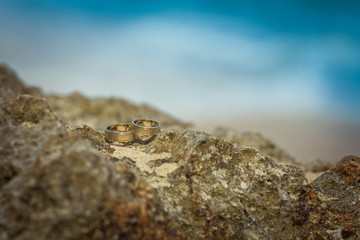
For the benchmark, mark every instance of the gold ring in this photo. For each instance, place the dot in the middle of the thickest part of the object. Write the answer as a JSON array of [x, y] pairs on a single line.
[[120, 132], [145, 126]]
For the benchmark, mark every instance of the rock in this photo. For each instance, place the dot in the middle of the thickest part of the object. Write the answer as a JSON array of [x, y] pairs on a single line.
[[55, 185], [102, 112], [256, 140], [331, 203], [220, 190], [10, 85], [60, 181]]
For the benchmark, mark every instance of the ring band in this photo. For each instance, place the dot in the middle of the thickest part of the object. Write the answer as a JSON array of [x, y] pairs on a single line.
[[145, 126], [120, 132]]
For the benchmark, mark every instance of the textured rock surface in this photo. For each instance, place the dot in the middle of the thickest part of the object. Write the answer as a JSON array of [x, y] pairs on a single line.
[[331, 204], [256, 140], [227, 191], [66, 182], [99, 113], [54, 185]]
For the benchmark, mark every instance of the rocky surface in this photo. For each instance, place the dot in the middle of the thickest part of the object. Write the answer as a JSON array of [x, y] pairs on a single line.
[[60, 179], [330, 205], [102, 112], [256, 140]]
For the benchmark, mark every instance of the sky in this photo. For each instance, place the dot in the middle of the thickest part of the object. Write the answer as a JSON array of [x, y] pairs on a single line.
[[192, 59]]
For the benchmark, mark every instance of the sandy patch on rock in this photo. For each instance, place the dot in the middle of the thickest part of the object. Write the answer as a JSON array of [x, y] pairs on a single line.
[[142, 160]]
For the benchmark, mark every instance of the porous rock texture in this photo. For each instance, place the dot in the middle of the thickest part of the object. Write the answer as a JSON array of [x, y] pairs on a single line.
[[256, 140], [100, 112], [61, 181]]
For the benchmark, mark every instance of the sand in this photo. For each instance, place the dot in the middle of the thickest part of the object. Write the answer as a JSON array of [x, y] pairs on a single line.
[[142, 160]]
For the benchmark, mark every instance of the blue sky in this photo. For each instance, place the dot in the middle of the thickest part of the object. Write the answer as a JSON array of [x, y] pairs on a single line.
[[194, 57]]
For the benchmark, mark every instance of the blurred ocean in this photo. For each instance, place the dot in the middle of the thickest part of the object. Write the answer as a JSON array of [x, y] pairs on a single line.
[[210, 62]]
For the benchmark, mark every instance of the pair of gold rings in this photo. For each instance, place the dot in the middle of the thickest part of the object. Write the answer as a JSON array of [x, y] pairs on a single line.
[[127, 132]]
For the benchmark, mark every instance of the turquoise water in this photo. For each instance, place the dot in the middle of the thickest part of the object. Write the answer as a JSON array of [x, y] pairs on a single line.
[[192, 59]]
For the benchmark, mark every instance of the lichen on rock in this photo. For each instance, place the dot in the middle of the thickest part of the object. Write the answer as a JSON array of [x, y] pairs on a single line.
[[258, 141]]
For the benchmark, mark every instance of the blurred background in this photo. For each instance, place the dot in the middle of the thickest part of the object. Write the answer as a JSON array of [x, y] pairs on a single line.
[[289, 69]]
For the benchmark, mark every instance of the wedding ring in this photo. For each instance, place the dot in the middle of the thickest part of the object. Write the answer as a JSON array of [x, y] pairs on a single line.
[[145, 126], [120, 132]]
